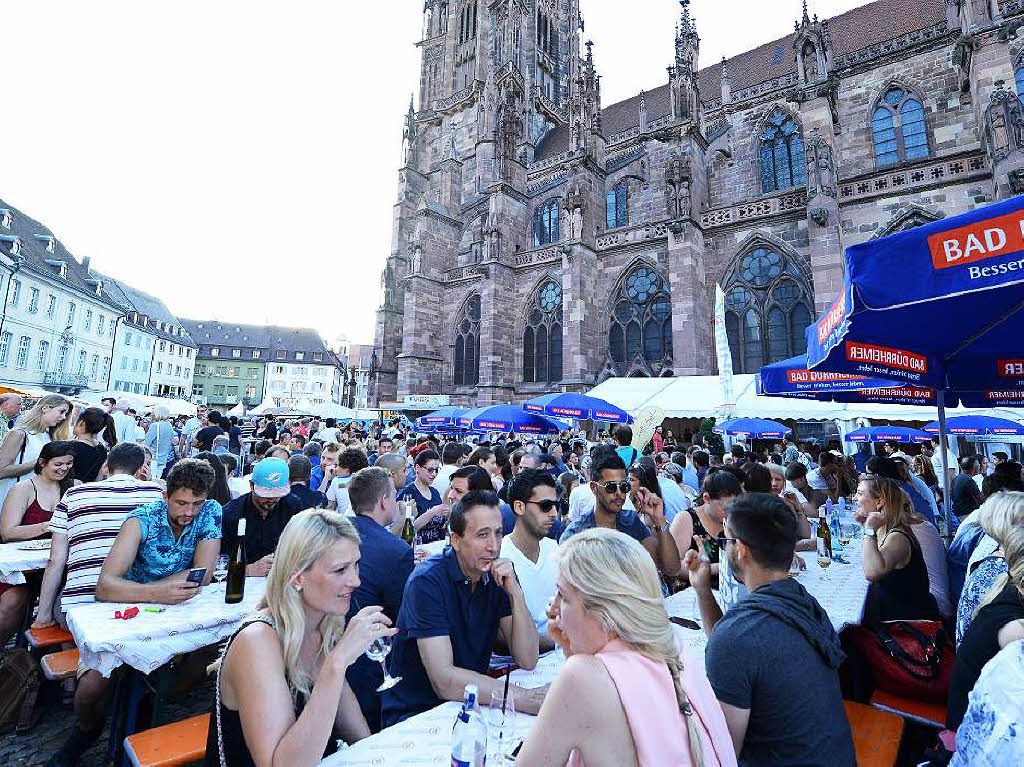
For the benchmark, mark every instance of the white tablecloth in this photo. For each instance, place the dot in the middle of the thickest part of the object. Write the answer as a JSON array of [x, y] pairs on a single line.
[[16, 561], [149, 640], [425, 739]]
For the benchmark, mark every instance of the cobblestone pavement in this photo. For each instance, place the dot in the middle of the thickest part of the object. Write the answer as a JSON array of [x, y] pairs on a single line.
[[33, 749]]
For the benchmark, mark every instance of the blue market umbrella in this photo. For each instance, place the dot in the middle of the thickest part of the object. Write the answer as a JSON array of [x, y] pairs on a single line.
[[976, 425], [889, 434], [579, 406], [509, 418], [755, 428], [446, 416]]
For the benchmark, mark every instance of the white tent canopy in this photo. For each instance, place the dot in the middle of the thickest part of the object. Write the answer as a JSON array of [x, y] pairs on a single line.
[[701, 397], [142, 402], [264, 406], [238, 410]]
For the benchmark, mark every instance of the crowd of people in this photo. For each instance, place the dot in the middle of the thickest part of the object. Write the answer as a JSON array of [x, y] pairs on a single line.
[[569, 543]]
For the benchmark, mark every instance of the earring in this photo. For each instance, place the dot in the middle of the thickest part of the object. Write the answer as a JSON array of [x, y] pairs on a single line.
[[298, 589]]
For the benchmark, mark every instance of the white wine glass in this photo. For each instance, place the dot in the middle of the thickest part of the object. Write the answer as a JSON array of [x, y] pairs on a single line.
[[220, 570], [824, 559], [378, 651], [501, 727]]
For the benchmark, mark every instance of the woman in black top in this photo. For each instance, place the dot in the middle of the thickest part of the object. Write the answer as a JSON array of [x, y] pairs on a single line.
[[892, 558], [93, 424], [706, 522], [998, 622]]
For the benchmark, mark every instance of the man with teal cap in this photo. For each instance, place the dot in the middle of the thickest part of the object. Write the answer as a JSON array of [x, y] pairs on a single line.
[[266, 508]]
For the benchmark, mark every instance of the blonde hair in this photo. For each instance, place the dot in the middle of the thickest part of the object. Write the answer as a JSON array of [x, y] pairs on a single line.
[[306, 537], [32, 421], [898, 509], [1002, 518], [619, 585]]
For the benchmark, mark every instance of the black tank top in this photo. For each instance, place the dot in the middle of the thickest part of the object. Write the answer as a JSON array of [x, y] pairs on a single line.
[[903, 594], [228, 723]]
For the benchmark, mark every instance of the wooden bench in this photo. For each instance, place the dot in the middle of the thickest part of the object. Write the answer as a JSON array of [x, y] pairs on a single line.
[[169, 745], [51, 636], [876, 734], [922, 712], [60, 665]]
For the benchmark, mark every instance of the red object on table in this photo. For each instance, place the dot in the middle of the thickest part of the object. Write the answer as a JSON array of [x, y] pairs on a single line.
[[128, 614]]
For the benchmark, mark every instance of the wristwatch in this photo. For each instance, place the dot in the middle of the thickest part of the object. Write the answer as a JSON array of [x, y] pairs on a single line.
[[870, 532], [659, 528]]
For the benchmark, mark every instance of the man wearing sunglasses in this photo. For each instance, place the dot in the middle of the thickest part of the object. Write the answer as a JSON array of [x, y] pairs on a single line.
[[534, 500], [609, 484]]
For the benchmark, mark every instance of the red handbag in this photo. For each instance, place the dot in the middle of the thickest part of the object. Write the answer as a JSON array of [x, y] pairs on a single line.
[[912, 659]]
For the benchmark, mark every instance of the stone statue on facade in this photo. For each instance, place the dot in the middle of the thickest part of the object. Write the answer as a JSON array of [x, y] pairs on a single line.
[[821, 174], [677, 188], [574, 206]]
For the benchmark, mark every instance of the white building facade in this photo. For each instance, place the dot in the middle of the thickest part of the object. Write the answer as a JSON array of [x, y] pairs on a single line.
[[301, 370]]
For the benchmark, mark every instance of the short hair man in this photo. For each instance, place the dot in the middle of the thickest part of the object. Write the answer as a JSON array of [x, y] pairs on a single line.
[[211, 430], [266, 508], [773, 715], [951, 460], [299, 472], [124, 424], [10, 406], [84, 526], [385, 564], [623, 438], [453, 608], [964, 491], [822, 480], [609, 485], [452, 455], [350, 461], [998, 457], [534, 500], [160, 541]]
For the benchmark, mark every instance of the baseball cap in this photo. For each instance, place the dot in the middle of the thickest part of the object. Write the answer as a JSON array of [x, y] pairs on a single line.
[[270, 478]]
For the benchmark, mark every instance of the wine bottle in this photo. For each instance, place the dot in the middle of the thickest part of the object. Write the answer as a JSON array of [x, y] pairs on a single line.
[[409, 530], [236, 568], [824, 536]]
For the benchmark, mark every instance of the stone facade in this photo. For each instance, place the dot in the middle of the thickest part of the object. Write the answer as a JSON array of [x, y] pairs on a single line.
[[753, 174]]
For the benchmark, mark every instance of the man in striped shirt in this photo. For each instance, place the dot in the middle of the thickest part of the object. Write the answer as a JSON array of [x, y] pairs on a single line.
[[84, 526]]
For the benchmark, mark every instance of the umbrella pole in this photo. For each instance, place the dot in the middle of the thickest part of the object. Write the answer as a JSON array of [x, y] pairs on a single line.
[[944, 447]]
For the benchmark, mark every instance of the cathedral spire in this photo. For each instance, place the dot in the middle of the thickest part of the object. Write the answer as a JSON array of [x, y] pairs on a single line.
[[806, 20], [726, 82]]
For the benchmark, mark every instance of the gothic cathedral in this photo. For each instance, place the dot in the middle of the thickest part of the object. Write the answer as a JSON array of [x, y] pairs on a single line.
[[545, 241]]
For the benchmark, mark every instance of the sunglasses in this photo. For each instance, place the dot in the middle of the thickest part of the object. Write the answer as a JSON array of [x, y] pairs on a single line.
[[612, 486], [546, 505], [723, 539]]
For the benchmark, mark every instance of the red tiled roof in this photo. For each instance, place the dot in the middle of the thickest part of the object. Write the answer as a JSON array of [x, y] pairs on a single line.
[[851, 31]]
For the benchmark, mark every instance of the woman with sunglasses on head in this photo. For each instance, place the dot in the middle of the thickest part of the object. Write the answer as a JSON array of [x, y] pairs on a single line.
[[700, 528]]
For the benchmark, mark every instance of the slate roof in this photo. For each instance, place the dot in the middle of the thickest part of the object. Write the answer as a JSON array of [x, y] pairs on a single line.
[[151, 307], [852, 31], [35, 256], [268, 338]]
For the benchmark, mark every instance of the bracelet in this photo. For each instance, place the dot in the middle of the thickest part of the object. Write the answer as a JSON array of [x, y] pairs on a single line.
[[870, 532]]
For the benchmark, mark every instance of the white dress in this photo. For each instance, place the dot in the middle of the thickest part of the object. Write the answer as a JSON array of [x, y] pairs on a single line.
[[992, 731], [34, 442]]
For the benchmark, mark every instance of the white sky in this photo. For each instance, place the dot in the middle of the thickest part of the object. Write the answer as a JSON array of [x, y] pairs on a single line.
[[238, 158]]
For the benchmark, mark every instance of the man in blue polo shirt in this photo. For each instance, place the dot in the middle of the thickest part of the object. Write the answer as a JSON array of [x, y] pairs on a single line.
[[609, 484], [384, 567], [454, 605]]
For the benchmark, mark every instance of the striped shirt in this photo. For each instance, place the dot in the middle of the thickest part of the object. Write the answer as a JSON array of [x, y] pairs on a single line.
[[90, 516]]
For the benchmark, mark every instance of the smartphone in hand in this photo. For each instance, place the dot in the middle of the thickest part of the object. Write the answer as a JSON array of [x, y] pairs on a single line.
[[196, 575]]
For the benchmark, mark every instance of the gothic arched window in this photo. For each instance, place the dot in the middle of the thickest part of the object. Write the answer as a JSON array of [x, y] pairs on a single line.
[[542, 338], [467, 344], [782, 153], [898, 128], [617, 206], [1018, 76], [767, 309], [640, 332], [545, 224]]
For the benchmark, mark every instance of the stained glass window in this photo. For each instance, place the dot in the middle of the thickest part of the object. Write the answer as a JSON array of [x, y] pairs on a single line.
[[617, 207], [782, 154], [640, 331], [545, 224], [898, 129], [542, 338], [467, 344]]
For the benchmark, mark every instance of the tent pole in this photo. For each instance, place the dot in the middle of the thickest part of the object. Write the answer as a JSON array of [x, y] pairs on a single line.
[[944, 447]]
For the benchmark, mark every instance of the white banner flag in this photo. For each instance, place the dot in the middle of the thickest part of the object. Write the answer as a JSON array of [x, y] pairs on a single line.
[[722, 351]]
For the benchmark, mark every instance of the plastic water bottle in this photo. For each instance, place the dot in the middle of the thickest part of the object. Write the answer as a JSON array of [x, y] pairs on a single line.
[[469, 735]]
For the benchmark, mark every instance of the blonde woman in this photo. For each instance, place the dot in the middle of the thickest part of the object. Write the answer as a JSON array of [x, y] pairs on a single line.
[[288, 712], [47, 421], [892, 558], [1000, 617], [625, 696]]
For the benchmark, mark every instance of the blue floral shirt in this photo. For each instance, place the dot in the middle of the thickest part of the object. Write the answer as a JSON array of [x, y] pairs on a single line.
[[976, 587], [992, 732], [159, 554]]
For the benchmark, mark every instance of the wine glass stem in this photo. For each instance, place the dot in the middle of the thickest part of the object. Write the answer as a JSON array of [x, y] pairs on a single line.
[[384, 668]]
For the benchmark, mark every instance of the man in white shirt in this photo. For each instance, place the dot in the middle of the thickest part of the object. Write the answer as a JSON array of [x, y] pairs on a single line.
[[350, 461], [124, 424], [453, 456], [534, 501], [329, 433], [936, 455], [822, 479]]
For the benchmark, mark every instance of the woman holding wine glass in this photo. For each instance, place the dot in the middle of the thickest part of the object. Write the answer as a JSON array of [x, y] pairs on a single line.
[[281, 695]]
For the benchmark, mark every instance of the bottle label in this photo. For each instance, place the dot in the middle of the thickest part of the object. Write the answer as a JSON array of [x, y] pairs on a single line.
[[241, 527]]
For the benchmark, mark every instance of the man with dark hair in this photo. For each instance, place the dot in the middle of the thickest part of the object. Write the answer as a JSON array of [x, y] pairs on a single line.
[[965, 493], [299, 472], [350, 461], [701, 463], [454, 606], [161, 541], [623, 438], [297, 443], [998, 457], [329, 433], [739, 453], [385, 564], [84, 526], [452, 458], [534, 500], [266, 508], [773, 715], [951, 460], [822, 480], [609, 485], [211, 429]]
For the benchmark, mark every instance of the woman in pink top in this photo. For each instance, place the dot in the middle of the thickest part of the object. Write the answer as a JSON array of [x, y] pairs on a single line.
[[625, 695]]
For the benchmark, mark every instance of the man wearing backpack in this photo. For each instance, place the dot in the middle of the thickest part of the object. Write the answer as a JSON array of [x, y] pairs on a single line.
[[623, 436]]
